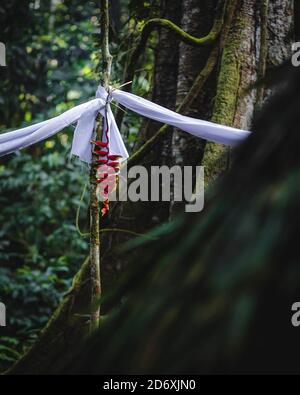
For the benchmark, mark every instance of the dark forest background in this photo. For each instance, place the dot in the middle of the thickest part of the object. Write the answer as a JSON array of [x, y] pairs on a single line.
[[205, 296]]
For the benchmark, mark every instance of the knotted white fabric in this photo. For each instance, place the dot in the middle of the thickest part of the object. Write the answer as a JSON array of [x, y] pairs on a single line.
[[85, 116]]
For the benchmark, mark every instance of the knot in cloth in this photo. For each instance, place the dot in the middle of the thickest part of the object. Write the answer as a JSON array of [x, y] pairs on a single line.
[[104, 95]]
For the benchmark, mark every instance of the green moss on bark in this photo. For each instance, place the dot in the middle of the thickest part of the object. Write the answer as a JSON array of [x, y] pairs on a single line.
[[216, 159], [228, 86]]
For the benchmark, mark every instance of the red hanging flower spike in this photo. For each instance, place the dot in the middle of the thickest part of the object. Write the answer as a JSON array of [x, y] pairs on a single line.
[[107, 171]]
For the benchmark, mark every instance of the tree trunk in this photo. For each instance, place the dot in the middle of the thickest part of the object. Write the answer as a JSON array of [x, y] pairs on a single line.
[[95, 237], [197, 19], [281, 29], [243, 61], [164, 93], [297, 20]]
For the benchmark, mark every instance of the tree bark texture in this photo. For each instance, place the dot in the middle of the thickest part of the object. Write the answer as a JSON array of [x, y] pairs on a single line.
[[197, 19], [241, 65]]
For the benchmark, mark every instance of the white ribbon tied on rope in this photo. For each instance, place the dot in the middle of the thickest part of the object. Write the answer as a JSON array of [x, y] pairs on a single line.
[[85, 116]]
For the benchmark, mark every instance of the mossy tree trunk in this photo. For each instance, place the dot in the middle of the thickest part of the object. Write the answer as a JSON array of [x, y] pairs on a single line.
[[237, 71], [260, 37]]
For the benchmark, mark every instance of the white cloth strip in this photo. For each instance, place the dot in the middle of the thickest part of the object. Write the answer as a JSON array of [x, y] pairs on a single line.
[[85, 116], [203, 129], [22, 138]]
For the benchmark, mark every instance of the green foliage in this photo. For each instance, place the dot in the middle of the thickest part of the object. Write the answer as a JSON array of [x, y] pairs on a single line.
[[40, 249], [144, 9], [50, 58], [8, 353]]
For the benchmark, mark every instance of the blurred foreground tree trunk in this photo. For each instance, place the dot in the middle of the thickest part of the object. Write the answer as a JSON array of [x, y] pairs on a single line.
[[214, 295]]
